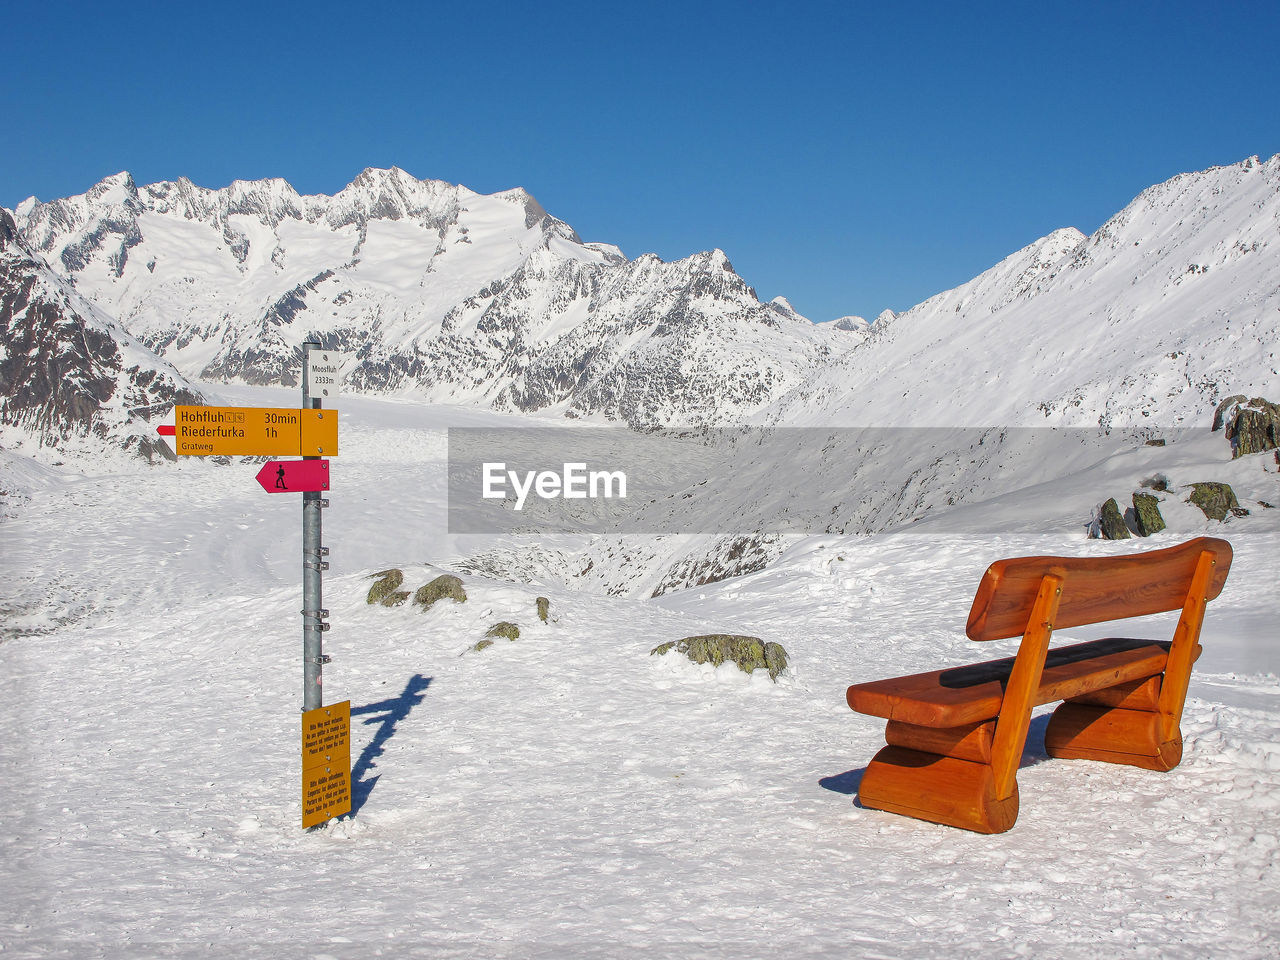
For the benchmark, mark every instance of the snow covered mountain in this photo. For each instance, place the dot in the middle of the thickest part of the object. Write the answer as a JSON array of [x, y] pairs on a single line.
[[1173, 304], [67, 370], [541, 797], [458, 297], [444, 293]]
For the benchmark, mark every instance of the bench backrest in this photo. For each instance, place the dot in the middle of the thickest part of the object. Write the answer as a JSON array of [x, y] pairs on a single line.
[[1094, 589]]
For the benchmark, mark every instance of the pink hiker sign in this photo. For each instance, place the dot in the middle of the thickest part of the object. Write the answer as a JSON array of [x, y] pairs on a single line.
[[294, 476]]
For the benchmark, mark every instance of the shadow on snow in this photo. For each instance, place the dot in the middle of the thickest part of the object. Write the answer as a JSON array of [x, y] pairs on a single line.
[[386, 713]]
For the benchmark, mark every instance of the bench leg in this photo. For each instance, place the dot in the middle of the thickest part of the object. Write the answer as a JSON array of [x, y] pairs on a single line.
[[958, 793], [1083, 731]]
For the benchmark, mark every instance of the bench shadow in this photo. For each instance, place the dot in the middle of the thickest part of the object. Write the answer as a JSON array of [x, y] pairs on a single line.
[[846, 783], [1033, 753], [385, 713]]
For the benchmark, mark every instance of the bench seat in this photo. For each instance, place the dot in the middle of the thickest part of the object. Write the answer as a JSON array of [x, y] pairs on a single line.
[[974, 693]]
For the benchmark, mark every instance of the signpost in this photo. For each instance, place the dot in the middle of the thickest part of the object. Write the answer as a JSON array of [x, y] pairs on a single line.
[[334, 797], [310, 433], [294, 476]]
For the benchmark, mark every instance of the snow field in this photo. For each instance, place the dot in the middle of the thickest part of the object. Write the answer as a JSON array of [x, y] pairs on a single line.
[[565, 794]]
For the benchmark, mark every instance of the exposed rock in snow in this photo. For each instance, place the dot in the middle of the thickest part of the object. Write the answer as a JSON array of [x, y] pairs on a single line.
[[1252, 426]]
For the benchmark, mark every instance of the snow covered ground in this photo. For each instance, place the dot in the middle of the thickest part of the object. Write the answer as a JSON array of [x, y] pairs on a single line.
[[564, 795]]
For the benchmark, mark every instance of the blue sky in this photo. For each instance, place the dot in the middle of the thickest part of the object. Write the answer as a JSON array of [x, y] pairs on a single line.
[[851, 157]]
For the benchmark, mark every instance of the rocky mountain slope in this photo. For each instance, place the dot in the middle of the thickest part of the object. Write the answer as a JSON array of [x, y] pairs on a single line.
[[1135, 333], [68, 373]]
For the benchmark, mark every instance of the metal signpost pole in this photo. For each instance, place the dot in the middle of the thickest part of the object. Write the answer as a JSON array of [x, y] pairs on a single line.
[[313, 625]]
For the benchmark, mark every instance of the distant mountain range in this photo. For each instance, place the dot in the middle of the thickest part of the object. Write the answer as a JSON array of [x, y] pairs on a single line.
[[442, 292], [458, 297]]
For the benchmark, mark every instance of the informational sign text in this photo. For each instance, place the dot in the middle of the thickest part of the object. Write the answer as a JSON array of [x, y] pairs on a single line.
[[325, 370], [255, 432], [326, 763]]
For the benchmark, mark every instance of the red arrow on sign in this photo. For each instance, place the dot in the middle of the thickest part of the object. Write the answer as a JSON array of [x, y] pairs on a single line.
[[168, 431], [294, 476]]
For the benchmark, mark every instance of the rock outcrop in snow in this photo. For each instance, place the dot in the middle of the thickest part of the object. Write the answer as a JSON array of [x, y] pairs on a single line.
[[1252, 425], [747, 653]]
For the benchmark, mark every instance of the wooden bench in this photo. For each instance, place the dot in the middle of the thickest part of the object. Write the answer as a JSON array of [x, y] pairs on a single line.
[[955, 737]]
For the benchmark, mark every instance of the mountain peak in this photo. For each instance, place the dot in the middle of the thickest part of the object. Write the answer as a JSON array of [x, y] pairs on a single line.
[[115, 189], [391, 194], [396, 180], [378, 176], [717, 259], [267, 184], [851, 324], [783, 304]]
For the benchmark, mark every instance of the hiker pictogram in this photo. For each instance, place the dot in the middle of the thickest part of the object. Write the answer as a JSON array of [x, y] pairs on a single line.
[[294, 476]]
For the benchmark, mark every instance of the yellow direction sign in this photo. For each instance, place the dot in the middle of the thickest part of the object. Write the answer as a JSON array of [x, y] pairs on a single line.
[[255, 432], [326, 763]]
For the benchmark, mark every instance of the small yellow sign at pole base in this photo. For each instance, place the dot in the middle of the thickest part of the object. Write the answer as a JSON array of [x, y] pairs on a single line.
[[326, 763]]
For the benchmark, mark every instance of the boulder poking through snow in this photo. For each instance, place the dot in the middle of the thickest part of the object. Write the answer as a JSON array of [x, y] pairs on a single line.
[[445, 585], [1252, 426], [1111, 522], [749, 653], [384, 591], [1216, 500], [1146, 514], [505, 629]]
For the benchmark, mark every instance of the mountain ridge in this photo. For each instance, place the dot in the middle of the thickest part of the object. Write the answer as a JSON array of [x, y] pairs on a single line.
[[450, 296], [1168, 307], [443, 292]]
